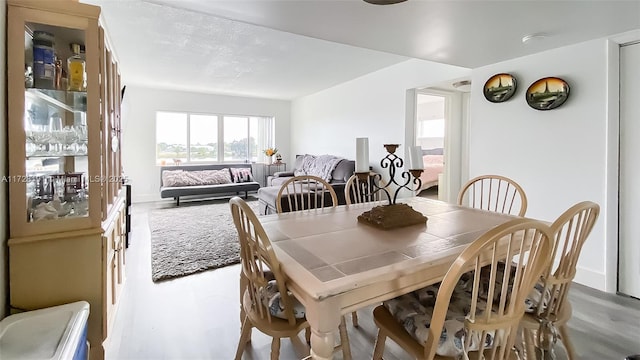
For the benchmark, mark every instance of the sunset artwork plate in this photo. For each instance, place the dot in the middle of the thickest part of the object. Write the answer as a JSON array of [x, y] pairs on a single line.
[[499, 88], [547, 93]]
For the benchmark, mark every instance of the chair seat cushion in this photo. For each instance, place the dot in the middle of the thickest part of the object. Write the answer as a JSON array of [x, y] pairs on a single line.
[[272, 299], [414, 311], [532, 302]]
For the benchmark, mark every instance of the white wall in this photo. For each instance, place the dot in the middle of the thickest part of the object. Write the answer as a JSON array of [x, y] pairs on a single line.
[[4, 201], [138, 136], [558, 156], [373, 106]]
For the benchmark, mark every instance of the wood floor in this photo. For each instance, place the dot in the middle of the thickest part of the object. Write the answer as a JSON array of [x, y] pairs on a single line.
[[197, 316]]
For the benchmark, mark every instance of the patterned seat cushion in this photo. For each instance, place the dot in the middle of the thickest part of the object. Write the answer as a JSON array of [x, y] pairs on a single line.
[[414, 311], [272, 299], [532, 301]]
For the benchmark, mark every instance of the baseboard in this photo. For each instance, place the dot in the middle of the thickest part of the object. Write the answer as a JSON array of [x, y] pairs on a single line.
[[145, 198], [590, 278]]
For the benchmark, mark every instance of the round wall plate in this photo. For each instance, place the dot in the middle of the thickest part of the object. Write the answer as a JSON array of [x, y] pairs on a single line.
[[547, 93], [500, 88]]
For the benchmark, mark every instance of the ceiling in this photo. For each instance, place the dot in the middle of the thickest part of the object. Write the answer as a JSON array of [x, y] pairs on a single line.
[[291, 48]]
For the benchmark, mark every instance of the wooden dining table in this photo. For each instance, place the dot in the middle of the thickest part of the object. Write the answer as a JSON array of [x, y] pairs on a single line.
[[336, 265]]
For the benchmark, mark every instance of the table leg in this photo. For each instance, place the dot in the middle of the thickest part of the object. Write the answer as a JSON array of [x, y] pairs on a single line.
[[322, 345], [324, 319]]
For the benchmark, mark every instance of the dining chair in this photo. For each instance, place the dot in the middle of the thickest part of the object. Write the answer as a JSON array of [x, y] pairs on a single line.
[[449, 321], [494, 193], [305, 192], [266, 302], [308, 192], [358, 191], [548, 304]]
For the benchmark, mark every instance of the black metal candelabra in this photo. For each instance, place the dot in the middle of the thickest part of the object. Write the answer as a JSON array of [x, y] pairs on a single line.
[[392, 215]]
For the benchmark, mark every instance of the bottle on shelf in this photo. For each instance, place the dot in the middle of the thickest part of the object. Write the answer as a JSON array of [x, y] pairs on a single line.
[[76, 70]]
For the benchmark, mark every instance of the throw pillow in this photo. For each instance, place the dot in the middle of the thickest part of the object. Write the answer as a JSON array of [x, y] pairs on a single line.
[[213, 177], [171, 177], [240, 175]]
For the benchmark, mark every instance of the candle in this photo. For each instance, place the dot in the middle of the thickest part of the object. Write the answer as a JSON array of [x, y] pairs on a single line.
[[415, 158], [362, 155]]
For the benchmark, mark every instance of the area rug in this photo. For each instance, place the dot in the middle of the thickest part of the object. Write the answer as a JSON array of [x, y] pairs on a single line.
[[193, 237]]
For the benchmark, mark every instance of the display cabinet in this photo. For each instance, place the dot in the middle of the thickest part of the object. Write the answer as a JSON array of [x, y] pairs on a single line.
[[65, 187]]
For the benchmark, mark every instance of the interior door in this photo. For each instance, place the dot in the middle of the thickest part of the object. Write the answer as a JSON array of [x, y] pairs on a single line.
[[629, 227]]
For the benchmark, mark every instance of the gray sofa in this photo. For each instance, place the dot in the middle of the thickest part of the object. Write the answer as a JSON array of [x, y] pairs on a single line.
[[200, 180], [339, 176]]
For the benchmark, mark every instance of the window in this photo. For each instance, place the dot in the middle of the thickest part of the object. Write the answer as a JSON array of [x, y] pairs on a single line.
[[203, 136], [185, 137]]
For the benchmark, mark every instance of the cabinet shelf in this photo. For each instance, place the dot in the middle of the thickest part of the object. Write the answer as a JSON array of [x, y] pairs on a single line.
[[72, 101], [50, 156]]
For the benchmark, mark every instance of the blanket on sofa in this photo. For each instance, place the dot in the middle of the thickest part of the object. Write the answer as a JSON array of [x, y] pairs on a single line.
[[321, 166]]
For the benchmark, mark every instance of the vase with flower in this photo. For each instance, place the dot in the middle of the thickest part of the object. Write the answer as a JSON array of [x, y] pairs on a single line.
[[269, 152]]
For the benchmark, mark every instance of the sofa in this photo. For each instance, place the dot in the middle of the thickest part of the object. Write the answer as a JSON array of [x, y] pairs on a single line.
[[337, 172], [210, 179]]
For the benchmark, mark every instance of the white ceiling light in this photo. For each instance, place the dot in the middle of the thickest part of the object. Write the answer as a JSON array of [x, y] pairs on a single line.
[[533, 37], [463, 85], [384, 2]]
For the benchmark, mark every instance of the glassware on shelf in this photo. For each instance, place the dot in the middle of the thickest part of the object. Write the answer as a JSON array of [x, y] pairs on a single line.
[[82, 139], [55, 126]]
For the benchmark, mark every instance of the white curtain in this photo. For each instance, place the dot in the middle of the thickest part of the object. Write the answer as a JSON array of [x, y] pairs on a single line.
[[266, 130]]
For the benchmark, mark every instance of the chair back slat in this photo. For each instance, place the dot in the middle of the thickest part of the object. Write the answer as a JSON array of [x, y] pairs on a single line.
[[304, 193], [259, 263], [357, 191], [570, 230], [494, 193], [497, 304]]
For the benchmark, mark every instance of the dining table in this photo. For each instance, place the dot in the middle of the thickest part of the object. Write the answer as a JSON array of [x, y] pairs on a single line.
[[336, 264]]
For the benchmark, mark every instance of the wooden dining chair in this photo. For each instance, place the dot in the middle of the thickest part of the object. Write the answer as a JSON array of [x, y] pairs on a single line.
[[266, 302], [494, 193], [482, 316], [308, 192], [358, 191], [548, 305], [305, 192]]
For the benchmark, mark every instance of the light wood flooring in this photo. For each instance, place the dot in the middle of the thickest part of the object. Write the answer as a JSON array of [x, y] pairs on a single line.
[[197, 316]]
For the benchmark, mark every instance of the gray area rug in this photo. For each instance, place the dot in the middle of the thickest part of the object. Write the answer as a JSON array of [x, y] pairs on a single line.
[[193, 237]]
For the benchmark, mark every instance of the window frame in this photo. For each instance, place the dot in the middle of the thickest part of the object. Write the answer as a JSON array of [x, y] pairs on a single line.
[[219, 118]]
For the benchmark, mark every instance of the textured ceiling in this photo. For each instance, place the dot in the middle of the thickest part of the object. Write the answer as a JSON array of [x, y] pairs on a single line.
[[291, 48], [164, 47]]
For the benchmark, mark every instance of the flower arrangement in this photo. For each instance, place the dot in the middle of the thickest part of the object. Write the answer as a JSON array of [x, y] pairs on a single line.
[[270, 151]]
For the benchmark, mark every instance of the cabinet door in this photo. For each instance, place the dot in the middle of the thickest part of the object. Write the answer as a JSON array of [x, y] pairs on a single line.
[[110, 101], [54, 129], [115, 253]]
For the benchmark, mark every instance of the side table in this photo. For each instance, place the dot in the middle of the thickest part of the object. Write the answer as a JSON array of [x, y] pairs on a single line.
[[270, 169]]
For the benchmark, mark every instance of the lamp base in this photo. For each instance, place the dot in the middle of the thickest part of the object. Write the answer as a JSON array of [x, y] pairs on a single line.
[[387, 217]]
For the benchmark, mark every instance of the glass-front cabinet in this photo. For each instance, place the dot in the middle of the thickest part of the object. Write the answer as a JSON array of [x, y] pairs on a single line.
[[54, 119], [66, 207]]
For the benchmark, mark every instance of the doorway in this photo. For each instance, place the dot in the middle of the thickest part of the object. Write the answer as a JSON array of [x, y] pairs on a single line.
[[439, 120], [429, 135]]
